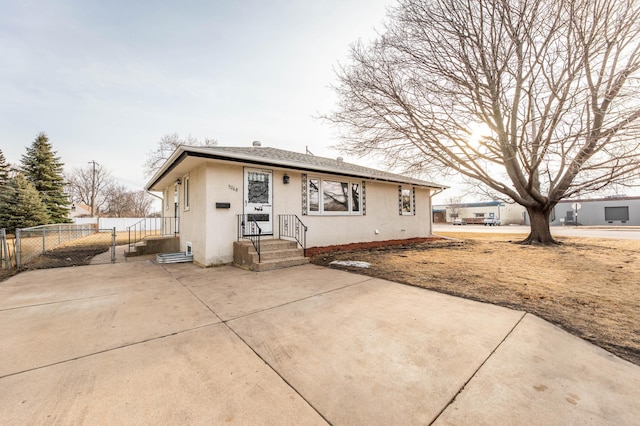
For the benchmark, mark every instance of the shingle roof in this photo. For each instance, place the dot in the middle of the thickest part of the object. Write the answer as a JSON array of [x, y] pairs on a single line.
[[268, 156]]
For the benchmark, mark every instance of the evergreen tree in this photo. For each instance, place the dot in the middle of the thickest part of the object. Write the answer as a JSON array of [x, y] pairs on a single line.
[[41, 166], [4, 169], [20, 205]]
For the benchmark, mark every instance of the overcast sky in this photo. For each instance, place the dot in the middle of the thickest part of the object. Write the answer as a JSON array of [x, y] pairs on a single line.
[[106, 79]]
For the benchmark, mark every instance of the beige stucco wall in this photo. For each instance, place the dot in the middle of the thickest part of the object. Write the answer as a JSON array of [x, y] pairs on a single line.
[[381, 216], [212, 231], [224, 185], [192, 221]]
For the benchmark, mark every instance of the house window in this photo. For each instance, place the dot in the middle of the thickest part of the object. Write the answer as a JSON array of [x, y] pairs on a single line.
[[406, 200], [479, 214], [616, 213], [166, 198], [314, 195], [258, 187], [334, 197], [355, 197], [185, 190]]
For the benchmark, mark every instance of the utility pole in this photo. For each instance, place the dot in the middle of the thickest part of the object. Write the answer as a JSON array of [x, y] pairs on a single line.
[[93, 186]]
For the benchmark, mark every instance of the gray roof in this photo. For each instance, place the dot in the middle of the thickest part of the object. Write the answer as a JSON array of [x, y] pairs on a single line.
[[267, 156]]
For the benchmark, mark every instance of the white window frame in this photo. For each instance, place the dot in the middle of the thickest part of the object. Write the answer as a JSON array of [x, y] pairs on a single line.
[[166, 198], [186, 192], [321, 184]]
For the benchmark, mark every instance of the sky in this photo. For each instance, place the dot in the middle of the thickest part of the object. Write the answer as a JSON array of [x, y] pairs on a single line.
[[105, 80]]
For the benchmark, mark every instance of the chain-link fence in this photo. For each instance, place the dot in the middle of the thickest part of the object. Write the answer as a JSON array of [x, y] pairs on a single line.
[[52, 246]]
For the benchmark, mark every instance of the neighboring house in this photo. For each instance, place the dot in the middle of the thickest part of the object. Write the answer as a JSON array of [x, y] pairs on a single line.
[[214, 190], [79, 210], [614, 210], [475, 213]]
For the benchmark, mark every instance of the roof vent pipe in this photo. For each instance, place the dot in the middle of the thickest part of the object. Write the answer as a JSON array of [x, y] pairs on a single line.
[[257, 143], [340, 159]]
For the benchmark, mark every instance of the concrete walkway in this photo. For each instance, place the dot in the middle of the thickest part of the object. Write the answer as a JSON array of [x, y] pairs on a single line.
[[141, 343]]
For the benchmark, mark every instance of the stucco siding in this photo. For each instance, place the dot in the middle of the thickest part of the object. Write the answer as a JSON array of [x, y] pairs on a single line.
[[192, 223], [381, 215], [224, 185], [212, 230]]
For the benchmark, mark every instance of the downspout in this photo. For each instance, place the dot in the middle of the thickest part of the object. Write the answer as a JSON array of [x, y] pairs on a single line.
[[431, 206], [437, 192], [154, 195], [162, 220]]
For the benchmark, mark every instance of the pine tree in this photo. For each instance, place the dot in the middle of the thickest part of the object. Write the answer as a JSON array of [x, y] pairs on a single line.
[[20, 205], [4, 169], [41, 166]]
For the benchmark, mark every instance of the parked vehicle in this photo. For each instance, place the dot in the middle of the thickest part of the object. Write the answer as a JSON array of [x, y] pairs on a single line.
[[492, 221], [459, 221]]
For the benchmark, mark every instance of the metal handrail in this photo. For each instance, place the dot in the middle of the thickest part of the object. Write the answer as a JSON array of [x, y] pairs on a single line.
[[168, 226], [248, 229], [292, 227]]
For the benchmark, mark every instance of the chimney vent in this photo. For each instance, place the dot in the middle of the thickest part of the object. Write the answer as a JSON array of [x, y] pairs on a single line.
[[257, 143], [340, 159]]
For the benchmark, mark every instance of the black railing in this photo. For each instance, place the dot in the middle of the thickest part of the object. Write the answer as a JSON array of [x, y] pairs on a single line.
[[292, 227], [151, 226], [249, 229]]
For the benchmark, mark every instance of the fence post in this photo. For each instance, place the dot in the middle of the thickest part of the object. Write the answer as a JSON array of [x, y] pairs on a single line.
[[18, 248], [4, 248], [113, 245], [44, 240]]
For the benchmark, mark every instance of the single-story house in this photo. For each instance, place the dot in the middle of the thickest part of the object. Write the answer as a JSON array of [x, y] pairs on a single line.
[[509, 214], [223, 194], [608, 211]]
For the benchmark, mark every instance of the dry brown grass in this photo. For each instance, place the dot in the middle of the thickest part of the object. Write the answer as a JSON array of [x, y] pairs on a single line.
[[587, 286]]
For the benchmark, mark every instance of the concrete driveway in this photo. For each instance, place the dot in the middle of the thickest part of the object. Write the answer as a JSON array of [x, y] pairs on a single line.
[[141, 343]]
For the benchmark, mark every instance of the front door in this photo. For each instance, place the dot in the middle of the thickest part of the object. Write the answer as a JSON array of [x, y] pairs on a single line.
[[258, 197]]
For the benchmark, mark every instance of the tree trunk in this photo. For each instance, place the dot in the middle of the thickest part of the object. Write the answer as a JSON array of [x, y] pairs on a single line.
[[540, 232]]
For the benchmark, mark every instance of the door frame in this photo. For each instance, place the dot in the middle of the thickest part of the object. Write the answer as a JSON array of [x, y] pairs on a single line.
[[264, 208]]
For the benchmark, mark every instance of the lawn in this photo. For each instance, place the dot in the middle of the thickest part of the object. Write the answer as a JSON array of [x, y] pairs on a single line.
[[590, 287]]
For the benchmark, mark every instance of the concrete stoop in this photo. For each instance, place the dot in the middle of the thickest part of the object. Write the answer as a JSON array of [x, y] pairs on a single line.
[[275, 254], [153, 245]]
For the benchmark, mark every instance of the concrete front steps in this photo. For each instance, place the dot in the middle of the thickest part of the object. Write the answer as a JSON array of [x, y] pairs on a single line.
[[274, 254]]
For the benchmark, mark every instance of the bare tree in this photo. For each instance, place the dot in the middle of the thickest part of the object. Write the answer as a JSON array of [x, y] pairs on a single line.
[[538, 100], [119, 201], [166, 146], [454, 205], [91, 183], [140, 204]]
